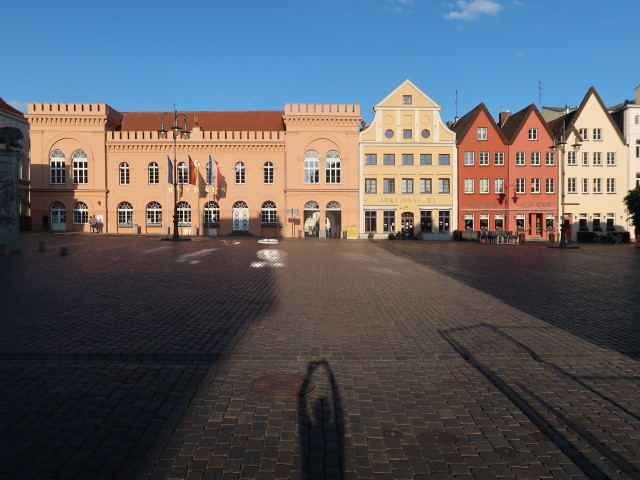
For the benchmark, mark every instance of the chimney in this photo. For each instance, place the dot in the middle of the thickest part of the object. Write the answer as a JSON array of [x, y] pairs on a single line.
[[567, 109], [503, 117], [638, 95]]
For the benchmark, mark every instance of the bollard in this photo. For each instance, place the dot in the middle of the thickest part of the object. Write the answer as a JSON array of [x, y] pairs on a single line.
[[64, 251], [42, 247]]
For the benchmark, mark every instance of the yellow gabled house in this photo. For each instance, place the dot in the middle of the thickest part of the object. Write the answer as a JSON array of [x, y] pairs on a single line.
[[408, 169]]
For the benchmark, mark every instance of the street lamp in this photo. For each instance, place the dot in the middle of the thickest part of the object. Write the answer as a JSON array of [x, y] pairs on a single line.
[[184, 134], [561, 145]]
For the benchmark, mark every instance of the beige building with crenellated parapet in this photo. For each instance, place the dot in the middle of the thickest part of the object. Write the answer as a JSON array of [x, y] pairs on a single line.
[[91, 160]]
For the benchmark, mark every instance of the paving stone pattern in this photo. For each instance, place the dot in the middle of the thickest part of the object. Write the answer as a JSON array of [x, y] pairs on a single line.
[[134, 358]]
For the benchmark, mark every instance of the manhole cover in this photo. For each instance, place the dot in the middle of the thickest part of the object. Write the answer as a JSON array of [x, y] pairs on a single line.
[[506, 452], [436, 437], [392, 434], [281, 386]]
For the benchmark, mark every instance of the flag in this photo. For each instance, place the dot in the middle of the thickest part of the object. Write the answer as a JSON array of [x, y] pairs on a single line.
[[216, 174], [169, 170], [193, 172], [213, 172], [210, 171]]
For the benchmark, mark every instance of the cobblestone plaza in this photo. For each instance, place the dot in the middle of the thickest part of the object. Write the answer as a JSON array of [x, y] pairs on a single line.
[[242, 358]]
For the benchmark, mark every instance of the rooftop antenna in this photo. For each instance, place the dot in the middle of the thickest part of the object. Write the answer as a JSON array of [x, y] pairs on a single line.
[[540, 88], [456, 102]]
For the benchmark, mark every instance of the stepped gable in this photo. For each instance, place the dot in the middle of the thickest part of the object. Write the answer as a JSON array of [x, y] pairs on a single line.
[[251, 121], [462, 126], [8, 108], [515, 123]]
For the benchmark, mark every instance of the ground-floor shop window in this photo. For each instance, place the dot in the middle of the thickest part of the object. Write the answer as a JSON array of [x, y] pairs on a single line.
[[389, 221], [370, 221]]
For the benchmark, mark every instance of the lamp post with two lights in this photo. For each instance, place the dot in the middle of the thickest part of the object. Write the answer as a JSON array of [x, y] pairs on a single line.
[[184, 134]]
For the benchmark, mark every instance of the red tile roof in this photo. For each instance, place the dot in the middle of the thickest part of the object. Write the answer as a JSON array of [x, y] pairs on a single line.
[[264, 120], [8, 108]]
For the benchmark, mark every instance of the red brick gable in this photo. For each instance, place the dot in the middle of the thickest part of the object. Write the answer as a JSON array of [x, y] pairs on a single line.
[[8, 108]]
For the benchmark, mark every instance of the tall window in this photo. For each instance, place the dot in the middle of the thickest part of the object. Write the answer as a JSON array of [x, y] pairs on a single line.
[[533, 134], [482, 133], [268, 213], [388, 185], [498, 158], [611, 185], [484, 185], [389, 159], [611, 158], [550, 184], [370, 159], [211, 214], [183, 173], [484, 158], [240, 173], [468, 158], [332, 167], [584, 134], [425, 159], [498, 184], [585, 185], [468, 185], [597, 184], [311, 167], [56, 168], [551, 159], [154, 173], [444, 159], [407, 159], [125, 214], [585, 158], [389, 221], [125, 178], [597, 158], [535, 158], [425, 185], [444, 185], [571, 185], [519, 185], [154, 214], [370, 221], [571, 158], [520, 158], [80, 213], [80, 167], [597, 134], [184, 214], [535, 185], [370, 185], [444, 220], [407, 185], [268, 173]]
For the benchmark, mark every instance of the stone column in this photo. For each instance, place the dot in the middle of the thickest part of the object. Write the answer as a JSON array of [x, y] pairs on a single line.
[[9, 202]]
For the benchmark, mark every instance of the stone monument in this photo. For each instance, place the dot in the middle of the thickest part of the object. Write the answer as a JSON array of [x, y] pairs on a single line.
[[9, 200]]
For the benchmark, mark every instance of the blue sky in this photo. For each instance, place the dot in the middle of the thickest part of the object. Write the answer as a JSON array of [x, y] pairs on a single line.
[[139, 55]]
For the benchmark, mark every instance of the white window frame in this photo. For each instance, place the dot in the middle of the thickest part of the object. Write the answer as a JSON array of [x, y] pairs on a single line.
[[597, 159], [520, 185], [469, 185], [584, 134], [611, 159], [585, 159], [425, 186], [535, 185], [153, 173], [521, 158], [498, 158], [597, 185], [80, 213], [572, 186], [311, 167], [184, 214], [468, 158], [611, 185], [407, 186], [571, 158], [268, 213], [597, 134], [535, 159], [484, 159], [498, 186], [268, 173], [533, 134], [483, 186], [550, 159], [125, 214], [240, 171], [585, 185], [482, 133], [211, 214], [550, 186], [154, 213], [80, 167], [332, 167], [124, 173]]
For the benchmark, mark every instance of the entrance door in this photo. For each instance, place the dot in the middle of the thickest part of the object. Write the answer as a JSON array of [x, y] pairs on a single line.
[[311, 219], [407, 224], [58, 217], [240, 216], [535, 224], [426, 222], [333, 220]]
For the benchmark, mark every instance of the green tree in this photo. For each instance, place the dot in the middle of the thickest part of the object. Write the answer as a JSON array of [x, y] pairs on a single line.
[[632, 204]]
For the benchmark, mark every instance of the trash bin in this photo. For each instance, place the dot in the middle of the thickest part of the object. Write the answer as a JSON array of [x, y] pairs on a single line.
[[552, 237]]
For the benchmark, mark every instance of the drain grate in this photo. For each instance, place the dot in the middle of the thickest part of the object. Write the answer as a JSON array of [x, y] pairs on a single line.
[[436, 437], [282, 386]]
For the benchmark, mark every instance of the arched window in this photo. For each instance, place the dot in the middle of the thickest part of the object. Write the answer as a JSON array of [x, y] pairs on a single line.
[[183, 173], [56, 167], [58, 213], [332, 167], [312, 205], [80, 167], [240, 204], [269, 213], [124, 174], [333, 206], [240, 216], [184, 214], [154, 214], [211, 214], [154, 173], [125, 214], [268, 172], [311, 167], [240, 178], [80, 213]]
